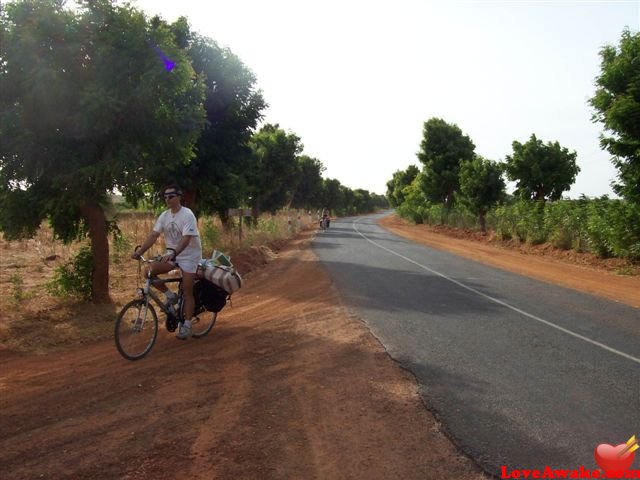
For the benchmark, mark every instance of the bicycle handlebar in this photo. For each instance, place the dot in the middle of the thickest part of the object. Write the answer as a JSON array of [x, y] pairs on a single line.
[[157, 258], [141, 257]]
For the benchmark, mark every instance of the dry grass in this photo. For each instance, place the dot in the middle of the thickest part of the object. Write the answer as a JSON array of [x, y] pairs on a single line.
[[34, 321]]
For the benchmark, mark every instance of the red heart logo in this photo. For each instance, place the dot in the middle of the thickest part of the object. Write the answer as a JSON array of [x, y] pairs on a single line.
[[608, 459]]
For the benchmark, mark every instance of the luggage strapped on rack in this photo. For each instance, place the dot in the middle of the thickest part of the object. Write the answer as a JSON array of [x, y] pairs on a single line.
[[220, 271]]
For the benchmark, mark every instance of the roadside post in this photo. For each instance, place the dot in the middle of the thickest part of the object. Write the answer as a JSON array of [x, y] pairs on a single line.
[[239, 212]]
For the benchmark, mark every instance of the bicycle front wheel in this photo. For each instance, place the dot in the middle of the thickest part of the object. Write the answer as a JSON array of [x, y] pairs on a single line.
[[136, 329]]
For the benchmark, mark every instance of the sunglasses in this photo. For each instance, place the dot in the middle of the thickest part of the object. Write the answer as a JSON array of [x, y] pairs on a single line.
[[170, 195]]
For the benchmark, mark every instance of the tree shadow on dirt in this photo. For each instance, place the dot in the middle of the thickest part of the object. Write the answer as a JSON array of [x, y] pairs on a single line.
[[259, 401]]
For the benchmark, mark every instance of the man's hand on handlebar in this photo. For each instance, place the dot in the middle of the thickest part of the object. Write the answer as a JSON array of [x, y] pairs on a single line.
[[169, 256], [137, 254]]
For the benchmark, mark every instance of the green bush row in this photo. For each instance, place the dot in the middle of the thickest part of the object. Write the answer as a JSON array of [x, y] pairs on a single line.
[[605, 227]]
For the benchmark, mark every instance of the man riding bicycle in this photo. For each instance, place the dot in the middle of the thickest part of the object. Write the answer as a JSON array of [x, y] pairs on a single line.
[[325, 216], [184, 250]]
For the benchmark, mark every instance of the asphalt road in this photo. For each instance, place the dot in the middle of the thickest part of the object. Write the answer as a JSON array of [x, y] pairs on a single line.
[[521, 373]]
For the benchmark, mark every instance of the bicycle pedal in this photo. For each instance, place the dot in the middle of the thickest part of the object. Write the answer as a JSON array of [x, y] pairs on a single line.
[[171, 324]]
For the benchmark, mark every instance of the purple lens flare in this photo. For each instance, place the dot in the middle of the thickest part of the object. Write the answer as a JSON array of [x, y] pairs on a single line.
[[168, 63]]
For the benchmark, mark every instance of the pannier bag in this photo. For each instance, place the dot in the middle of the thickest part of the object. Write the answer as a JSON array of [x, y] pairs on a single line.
[[213, 298]]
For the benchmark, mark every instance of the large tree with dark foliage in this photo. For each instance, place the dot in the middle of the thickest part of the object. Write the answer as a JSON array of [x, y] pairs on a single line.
[[481, 186], [308, 185], [274, 168], [91, 100], [617, 106], [216, 178], [541, 171], [442, 150], [399, 182]]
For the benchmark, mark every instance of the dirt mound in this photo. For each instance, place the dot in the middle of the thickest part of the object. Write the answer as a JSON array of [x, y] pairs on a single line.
[[253, 258]]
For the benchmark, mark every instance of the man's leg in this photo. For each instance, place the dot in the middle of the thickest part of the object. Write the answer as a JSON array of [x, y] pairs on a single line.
[[188, 279], [156, 269]]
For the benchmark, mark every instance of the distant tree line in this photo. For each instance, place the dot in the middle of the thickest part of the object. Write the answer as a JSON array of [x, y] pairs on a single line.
[[457, 186], [102, 98]]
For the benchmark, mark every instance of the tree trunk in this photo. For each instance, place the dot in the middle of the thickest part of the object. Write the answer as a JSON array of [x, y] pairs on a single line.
[[255, 213], [448, 205], [224, 219], [189, 197], [483, 222], [93, 213]]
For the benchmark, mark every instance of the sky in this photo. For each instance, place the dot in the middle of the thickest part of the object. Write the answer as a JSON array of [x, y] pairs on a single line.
[[357, 79]]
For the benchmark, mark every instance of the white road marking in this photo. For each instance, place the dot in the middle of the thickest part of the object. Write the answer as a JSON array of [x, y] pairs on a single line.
[[500, 302]]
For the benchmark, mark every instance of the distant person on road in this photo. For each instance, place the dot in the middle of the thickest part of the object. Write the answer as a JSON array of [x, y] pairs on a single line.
[[184, 250], [326, 215]]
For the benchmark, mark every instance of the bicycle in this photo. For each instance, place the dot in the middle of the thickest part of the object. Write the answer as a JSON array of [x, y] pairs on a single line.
[[136, 327], [324, 223]]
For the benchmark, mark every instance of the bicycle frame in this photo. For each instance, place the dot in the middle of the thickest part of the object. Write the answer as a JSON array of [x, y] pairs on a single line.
[[147, 292]]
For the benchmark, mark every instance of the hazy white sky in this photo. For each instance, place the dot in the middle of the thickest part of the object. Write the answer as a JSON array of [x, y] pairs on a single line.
[[356, 79]]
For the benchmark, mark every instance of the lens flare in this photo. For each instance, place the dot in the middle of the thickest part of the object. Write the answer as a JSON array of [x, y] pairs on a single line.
[[168, 63]]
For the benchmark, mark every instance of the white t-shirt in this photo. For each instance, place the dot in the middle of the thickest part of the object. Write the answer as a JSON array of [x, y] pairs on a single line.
[[174, 227]]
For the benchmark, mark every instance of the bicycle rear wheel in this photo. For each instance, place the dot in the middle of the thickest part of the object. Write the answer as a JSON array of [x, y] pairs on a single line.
[[136, 329], [203, 321]]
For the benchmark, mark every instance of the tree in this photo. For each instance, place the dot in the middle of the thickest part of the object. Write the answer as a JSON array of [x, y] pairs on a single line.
[[481, 186], [87, 105], [399, 182], [274, 168], [333, 195], [215, 178], [379, 201], [617, 106], [348, 200], [443, 148], [541, 171], [415, 202], [308, 190], [362, 201]]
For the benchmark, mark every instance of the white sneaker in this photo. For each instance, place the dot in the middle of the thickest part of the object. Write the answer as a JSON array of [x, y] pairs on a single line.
[[184, 330]]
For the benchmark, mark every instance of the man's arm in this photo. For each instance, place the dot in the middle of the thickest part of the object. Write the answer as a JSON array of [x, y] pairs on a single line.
[[184, 242], [151, 239]]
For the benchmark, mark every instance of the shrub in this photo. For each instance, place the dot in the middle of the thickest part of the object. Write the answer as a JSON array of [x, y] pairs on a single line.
[[598, 227], [624, 231], [434, 213], [209, 235], [564, 222], [18, 293], [74, 278], [504, 219], [530, 222], [121, 246], [414, 206]]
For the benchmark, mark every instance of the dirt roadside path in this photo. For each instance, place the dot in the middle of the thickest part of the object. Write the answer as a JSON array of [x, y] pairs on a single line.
[[288, 385]]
